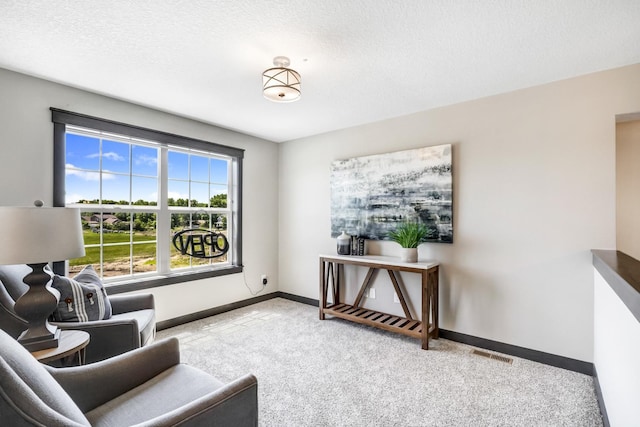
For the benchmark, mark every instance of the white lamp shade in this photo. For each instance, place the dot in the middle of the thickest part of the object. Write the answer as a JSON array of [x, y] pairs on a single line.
[[281, 84], [32, 235]]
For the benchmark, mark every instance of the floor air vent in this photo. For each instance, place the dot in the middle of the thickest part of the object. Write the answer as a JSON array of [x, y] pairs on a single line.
[[492, 356]]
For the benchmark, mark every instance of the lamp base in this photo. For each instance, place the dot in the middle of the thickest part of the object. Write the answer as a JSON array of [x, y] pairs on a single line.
[[35, 306], [41, 342]]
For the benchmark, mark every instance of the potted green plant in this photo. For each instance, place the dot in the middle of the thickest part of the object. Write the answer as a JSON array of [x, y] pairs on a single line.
[[409, 235]]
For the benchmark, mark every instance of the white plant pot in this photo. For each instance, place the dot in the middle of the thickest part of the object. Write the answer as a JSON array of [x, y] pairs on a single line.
[[409, 254]]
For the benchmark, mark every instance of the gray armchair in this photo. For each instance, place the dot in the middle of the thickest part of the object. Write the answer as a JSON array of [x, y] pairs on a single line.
[[144, 387], [132, 324]]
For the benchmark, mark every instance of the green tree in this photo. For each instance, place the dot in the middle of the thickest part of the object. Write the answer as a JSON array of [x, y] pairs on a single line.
[[219, 201], [138, 225]]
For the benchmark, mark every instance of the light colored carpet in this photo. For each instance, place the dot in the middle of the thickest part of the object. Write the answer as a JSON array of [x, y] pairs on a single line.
[[338, 373]]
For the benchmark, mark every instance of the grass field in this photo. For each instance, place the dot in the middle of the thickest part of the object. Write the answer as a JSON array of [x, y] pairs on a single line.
[[117, 258], [115, 253]]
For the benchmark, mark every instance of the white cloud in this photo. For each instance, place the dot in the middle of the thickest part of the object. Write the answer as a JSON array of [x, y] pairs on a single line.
[[83, 175], [146, 160], [71, 170], [109, 155], [107, 175]]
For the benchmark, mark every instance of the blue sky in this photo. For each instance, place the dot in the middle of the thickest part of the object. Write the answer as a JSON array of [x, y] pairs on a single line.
[[83, 172]]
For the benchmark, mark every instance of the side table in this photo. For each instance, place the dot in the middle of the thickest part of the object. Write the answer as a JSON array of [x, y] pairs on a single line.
[[424, 328], [71, 343]]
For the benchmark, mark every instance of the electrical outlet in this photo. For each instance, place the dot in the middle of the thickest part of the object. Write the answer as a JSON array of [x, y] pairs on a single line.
[[395, 297], [372, 293], [264, 280]]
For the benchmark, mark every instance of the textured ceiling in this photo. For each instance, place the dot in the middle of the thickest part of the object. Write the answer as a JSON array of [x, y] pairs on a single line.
[[360, 60]]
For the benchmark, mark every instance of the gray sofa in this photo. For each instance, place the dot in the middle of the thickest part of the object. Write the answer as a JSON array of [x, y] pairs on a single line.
[[144, 387], [132, 324]]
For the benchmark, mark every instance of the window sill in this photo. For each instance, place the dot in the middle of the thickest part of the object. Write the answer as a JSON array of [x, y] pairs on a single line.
[[155, 282]]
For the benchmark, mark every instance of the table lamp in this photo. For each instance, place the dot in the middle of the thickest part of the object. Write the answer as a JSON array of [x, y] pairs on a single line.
[[36, 236]]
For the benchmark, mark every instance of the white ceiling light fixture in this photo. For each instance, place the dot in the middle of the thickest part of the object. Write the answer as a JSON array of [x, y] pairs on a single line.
[[281, 84]]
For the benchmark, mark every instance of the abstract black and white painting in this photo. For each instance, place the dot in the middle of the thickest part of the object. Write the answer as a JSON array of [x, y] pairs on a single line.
[[371, 195]]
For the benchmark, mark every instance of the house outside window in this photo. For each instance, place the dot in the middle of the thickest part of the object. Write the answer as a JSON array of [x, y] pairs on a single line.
[[137, 190]]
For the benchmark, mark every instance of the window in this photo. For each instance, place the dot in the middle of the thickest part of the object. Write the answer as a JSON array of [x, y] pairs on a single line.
[[137, 188]]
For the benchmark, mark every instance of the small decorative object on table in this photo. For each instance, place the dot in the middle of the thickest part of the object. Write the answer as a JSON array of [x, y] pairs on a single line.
[[344, 244], [357, 246], [409, 235]]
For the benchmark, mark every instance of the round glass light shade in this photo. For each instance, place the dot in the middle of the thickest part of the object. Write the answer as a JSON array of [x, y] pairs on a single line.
[[281, 84]]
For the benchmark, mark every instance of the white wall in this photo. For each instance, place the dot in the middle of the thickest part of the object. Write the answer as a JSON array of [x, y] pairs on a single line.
[[534, 191], [627, 184], [26, 170], [534, 182], [616, 354]]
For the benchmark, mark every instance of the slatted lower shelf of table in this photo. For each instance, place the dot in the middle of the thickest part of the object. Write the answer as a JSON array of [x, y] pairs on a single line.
[[389, 322]]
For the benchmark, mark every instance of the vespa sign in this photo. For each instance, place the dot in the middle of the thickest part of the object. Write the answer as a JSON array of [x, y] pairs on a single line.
[[200, 243]]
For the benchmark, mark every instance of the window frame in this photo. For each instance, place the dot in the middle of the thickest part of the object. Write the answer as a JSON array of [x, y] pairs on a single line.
[[62, 118]]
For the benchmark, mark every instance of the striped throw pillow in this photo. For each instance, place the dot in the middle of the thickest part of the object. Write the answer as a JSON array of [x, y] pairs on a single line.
[[82, 298]]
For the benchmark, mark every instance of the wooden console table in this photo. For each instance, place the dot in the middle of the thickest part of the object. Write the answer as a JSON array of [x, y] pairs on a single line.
[[427, 327]]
